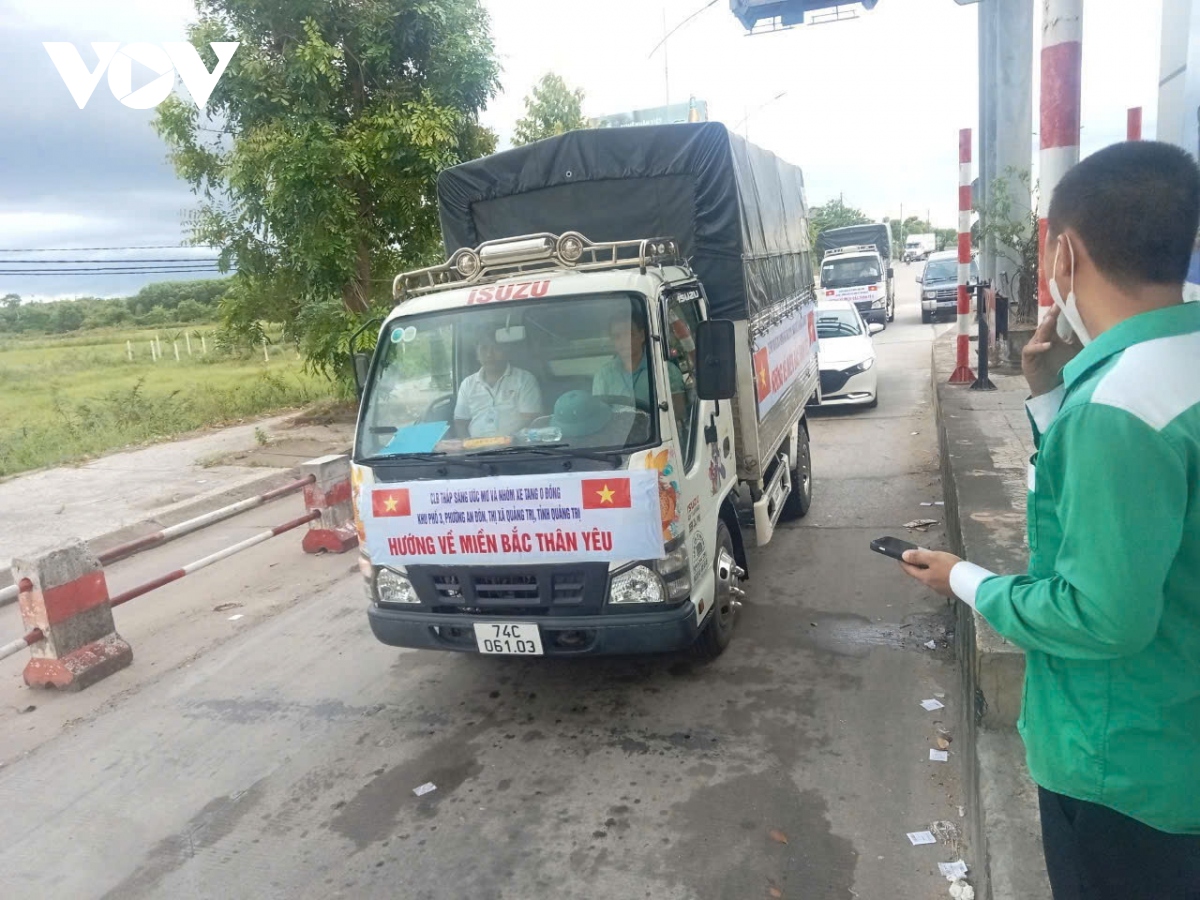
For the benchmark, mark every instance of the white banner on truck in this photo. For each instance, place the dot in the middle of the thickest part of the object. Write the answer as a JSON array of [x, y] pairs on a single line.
[[852, 294], [508, 520], [781, 353]]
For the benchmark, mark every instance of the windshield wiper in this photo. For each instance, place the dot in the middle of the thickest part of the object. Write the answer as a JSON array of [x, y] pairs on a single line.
[[599, 456]]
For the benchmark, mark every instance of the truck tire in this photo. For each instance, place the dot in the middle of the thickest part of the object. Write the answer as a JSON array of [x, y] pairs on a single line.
[[718, 628], [926, 317], [891, 310], [800, 499]]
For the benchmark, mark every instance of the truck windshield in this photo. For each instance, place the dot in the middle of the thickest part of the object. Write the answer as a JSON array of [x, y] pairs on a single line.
[[572, 374], [837, 273]]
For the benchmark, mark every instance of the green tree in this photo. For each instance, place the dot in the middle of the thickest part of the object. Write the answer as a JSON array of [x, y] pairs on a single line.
[[317, 157], [551, 108], [834, 214], [1016, 235]]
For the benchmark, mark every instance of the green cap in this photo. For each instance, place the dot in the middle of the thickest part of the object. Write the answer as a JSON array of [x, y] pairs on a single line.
[[578, 413]]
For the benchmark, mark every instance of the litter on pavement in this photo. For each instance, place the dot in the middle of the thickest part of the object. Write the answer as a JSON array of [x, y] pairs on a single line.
[[938, 755], [960, 890], [236, 616], [426, 788], [953, 870], [931, 645], [934, 503], [920, 524], [930, 705], [917, 838]]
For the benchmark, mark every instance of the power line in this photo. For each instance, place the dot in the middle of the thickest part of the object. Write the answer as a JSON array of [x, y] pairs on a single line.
[[110, 262], [142, 271], [80, 249], [668, 35]]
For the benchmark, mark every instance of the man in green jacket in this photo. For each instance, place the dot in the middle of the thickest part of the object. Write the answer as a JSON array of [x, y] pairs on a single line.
[[1109, 612]]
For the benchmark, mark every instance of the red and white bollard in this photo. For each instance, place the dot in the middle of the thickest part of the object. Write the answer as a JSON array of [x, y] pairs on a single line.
[[63, 594], [1133, 124], [962, 370], [1062, 67], [329, 495]]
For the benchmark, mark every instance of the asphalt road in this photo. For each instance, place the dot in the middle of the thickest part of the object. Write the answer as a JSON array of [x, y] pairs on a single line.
[[275, 755]]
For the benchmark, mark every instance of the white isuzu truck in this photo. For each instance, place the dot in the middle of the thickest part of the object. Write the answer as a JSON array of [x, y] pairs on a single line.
[[571, 430]]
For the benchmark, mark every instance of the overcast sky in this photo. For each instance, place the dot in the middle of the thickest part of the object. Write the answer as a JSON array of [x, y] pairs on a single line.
[[870, 108]]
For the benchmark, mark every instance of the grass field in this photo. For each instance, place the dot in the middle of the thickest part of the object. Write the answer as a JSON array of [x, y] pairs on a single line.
[[64, 398]]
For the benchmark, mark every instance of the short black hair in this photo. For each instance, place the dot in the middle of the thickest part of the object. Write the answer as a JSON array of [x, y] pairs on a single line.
[[1136, 205], [634, 318]]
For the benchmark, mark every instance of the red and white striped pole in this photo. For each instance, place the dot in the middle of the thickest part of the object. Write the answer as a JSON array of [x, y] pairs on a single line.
[[1133, 124], [1062, 61], [962, 371]]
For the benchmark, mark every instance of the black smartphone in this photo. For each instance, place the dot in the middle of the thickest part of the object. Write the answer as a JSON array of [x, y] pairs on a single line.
[[890, 546]]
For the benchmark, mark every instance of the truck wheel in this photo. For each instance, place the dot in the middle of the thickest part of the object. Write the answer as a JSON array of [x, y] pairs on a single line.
[[891, 311], [926, 318], [800, 499], [718, 629]]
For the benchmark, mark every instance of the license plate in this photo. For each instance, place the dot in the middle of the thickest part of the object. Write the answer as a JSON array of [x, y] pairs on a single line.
[[501, 639]]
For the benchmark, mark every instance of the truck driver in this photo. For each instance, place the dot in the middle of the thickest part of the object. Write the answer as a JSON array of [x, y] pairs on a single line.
[[498, 400]]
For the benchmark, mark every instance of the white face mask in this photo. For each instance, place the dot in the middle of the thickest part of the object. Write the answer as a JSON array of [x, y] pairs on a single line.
[[1068, 319]]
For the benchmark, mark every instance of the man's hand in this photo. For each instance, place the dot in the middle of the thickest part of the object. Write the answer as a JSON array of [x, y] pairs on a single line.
[[931, 568], [1044, 356]]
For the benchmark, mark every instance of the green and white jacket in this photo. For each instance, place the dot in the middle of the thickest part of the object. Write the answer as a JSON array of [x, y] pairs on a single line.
[[1109, 614]]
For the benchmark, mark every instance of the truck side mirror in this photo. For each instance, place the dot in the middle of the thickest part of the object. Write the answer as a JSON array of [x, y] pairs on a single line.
[[716, 356], [362, 368], [891, 272]]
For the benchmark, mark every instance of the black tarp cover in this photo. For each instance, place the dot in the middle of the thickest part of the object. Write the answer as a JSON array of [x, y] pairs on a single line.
[[738, 211], [875, 233]]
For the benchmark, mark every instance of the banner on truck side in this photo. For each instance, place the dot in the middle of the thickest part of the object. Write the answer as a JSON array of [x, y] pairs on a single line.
[[598, 517], [781, 353]]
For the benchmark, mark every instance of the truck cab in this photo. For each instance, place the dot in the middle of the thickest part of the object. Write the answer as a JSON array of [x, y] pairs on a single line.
[[859, 275], [546, 460]]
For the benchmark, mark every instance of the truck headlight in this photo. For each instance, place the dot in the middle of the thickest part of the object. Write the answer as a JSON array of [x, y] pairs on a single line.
[[929, 295], [640, 584], [674, 570], [394, 587]]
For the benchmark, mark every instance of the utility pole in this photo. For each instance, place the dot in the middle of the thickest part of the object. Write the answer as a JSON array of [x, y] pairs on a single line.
[[666, 62]]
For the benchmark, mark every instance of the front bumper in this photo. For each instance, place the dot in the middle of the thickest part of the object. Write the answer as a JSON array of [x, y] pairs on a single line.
[[872, 313], [661, 631], [853, 391]]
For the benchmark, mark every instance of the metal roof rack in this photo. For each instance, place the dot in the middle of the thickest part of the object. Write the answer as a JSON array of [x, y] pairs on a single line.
[[858, 248], [531, 253]]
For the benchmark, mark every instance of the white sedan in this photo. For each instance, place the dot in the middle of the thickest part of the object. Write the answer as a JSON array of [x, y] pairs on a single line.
[[847, 354]]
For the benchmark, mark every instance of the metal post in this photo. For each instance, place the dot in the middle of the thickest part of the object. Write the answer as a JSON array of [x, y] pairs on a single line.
[[1062, 61], [982, 383], [1133, 124], [962, 372]]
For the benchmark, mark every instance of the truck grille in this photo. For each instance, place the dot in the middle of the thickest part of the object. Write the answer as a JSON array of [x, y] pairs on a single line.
[[566, 588], [946, 294]]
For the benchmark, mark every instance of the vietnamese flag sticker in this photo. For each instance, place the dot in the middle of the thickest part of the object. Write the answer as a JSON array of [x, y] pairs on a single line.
[[390, 503], [762, 374], [606, 493]]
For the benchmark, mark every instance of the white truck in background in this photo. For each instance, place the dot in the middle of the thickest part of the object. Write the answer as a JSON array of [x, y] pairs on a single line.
[[917, 247]]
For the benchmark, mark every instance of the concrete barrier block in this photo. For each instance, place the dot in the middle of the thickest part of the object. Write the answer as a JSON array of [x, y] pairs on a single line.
[[331, 496], [62, 591]]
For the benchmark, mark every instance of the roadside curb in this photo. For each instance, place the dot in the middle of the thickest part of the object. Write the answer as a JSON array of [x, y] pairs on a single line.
[[1003, 815], [180, 512]]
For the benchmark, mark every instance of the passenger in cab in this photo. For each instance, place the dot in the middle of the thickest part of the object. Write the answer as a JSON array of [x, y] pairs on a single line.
[[498, 400], [627, 374]]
